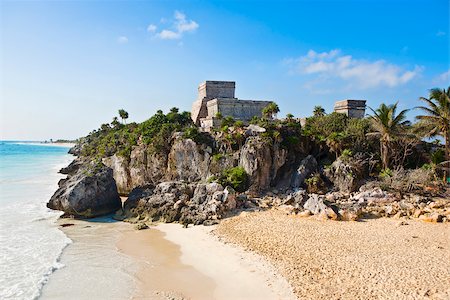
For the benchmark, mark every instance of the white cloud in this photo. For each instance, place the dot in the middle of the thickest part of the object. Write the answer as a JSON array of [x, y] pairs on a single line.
[[122, 40], [168, 35], [177, 27], [442, 78], [357, 72], [151, 28], [440, 33]]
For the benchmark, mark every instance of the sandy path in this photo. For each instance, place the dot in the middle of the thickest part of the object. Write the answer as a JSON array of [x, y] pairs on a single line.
[[193, 264], [375, 259]]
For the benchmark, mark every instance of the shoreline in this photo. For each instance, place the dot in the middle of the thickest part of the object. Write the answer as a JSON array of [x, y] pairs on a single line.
[[192, 263], [258, 255], [64, 145], [164, 261]]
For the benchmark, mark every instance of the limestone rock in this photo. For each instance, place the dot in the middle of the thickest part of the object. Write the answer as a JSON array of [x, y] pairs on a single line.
[[315, 204], [261, 161], [197, 203], [121, 172], [346, 175], [76, 150], [186, 161], [432, 217], [306, 168], [254, 130], [89, 191]]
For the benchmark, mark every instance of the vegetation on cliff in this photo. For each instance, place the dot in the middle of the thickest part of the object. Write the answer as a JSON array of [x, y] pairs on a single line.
[[385, 140], [326, 164]]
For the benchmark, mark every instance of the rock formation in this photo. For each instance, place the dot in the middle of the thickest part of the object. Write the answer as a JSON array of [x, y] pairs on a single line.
[[88, 191]]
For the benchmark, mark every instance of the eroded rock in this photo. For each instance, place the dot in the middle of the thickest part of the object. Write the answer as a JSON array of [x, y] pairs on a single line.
[[88, 191]]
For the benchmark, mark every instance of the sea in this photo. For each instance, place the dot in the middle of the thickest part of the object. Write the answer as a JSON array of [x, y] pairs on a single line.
[[30, 241]]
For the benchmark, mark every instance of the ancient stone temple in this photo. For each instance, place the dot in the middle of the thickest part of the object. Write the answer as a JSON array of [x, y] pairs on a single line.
[[218, 97], [352, 108]]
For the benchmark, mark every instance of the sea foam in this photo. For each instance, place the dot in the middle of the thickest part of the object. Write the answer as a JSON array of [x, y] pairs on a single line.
[[30, 241]]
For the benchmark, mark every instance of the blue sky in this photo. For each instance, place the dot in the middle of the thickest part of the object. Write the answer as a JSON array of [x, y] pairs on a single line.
[[66, 67]]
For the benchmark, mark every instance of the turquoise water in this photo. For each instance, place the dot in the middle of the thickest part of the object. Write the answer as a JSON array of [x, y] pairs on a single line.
[[30, 242]]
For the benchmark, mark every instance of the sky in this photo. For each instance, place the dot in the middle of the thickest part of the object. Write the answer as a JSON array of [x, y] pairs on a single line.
[[67, 66]]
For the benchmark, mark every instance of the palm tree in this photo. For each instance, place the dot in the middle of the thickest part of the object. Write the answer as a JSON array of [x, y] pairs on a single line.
[[123, 115], [318, 111], [335, 142], [387, 126], [437, 117], [271, 110]]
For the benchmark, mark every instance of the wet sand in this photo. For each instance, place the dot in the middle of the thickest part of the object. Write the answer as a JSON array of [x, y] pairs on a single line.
[[179, 263], [373, 259], [93, 267], [112, 260]]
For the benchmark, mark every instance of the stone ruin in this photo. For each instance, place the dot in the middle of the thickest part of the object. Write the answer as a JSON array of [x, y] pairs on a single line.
[[218, 97], [352, 108]]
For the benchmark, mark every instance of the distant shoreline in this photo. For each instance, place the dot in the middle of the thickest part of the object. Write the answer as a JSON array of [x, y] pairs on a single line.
[[40, 143]]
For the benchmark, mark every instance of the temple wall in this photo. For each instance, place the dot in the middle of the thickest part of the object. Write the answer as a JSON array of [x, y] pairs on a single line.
[[216, 89], [243, 110]]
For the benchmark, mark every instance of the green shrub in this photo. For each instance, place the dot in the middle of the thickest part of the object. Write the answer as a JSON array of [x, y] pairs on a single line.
[[235, 177], [346, 154], [315, 184], [385, 173], [217, 157]]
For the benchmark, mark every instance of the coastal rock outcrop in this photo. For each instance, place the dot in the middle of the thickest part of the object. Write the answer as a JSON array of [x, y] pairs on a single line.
[[178, 201], [88, 191]]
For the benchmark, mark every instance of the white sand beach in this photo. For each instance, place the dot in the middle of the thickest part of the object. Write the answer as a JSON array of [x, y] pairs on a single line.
[[115, 261], [372, 259]]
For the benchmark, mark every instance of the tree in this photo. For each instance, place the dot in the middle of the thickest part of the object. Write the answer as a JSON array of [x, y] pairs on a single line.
[[123, 115], [271, 110], [289, 117], [318, 111], [115, 123], [335, 141], [437, 117], [387, 126]]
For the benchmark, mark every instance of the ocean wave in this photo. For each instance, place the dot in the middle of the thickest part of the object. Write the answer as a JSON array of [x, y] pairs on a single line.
[[57, 265], [31, 244]]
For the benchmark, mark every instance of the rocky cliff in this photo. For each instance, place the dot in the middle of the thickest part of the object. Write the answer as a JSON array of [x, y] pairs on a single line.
[[190, 162], [191, 181]]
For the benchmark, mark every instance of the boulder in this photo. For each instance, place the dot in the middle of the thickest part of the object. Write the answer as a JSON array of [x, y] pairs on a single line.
[[198, 203], [306, 168], [317, 206], [89, 191], [345, 174]]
